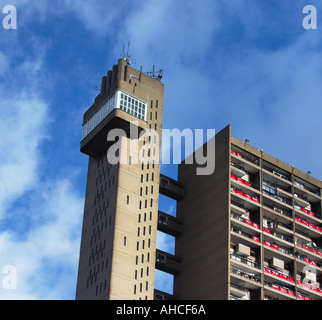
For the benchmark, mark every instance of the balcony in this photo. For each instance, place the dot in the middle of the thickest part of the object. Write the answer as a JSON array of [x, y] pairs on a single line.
[[167, 262], [241, 226], [270, 189], [308, 290], [248, 196], [275, 249], [278, 291], [242, 181], [306, 213], [169, 224], [271, 231], [245, 275], [308, 247], [276, 174], [300, 184], [244, 285], [279, 276], [244, 155], [304, 226], [273, 210], [305, 259], [249, 265], [171, 188]]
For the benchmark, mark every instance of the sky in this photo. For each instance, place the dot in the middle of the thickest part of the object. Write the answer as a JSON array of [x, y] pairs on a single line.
[[248, 63]]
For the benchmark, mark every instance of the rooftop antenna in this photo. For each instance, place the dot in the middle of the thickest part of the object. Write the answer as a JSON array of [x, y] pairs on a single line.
[[158, 75], [126, 55]]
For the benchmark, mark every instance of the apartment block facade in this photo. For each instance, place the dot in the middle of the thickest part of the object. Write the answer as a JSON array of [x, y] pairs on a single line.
[[252, 230]]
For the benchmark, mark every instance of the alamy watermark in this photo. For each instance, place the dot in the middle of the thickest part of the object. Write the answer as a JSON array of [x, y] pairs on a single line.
[[128, 151], [310, 20], [9, 21], [9, 277]]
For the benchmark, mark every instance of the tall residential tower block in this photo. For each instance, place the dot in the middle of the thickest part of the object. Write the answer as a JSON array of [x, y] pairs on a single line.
[[117, 256]]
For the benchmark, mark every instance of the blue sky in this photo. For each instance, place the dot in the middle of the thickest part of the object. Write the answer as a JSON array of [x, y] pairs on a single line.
[[219, 57]]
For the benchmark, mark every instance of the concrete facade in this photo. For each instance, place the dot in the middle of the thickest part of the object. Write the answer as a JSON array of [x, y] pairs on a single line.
[[117, 257], [251, 231]]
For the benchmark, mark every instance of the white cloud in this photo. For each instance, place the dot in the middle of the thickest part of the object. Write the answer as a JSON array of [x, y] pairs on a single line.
[[46, 259], [49, 246], [22, 125], [40, 214]]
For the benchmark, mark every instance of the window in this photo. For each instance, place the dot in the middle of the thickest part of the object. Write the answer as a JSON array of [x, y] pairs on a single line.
[[156, 116], [133, 106], [128, 200], [124, 241]]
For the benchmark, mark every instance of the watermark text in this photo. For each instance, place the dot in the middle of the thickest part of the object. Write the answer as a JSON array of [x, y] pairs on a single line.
[[9, 20]]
